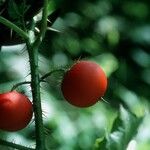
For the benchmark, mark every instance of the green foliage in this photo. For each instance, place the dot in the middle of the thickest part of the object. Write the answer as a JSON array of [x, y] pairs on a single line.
[[116, 35], [125, 128], [17, 11]]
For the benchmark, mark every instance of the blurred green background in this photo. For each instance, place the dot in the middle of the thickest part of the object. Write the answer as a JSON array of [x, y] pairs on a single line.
[[116, 35]]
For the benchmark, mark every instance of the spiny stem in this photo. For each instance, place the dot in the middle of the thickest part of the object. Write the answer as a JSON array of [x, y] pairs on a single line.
[[13, 145], [12, 26], [35, 80], [35, 86]]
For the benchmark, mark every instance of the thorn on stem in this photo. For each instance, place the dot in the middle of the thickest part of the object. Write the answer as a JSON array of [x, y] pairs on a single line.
[[104, 100]]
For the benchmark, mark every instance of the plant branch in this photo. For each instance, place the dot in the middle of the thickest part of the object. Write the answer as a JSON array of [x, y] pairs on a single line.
[[35, 86], [43, 27], [41, 79], [18, 84], [13, 145], [35, 81], [12, 26], [50, 73]]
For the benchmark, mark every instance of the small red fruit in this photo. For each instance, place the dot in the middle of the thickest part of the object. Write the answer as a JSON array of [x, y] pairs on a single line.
[[15, 111], [84, 84]]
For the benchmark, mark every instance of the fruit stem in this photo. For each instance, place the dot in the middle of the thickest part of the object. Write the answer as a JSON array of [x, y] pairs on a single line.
[[41, 78], [20, 83], [51, 72], [13, 145]]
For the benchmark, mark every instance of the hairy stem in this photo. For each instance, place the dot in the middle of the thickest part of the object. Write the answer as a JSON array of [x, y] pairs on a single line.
[[35, 85], [35, 80]]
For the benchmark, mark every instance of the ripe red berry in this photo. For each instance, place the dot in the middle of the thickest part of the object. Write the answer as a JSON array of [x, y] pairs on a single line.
[[15, 111], [84, 84]]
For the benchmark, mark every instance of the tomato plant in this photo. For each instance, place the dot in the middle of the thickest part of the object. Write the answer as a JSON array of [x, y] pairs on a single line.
[[15, 111], [84, 84]]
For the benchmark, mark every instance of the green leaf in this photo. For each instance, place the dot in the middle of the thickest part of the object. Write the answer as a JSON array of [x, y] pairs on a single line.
[[13, 10], [123, 131], [17, 10], [100, 143], [126, 129]]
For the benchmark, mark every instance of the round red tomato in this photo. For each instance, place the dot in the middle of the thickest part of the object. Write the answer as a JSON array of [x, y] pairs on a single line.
[[84, 84], [15, 111]]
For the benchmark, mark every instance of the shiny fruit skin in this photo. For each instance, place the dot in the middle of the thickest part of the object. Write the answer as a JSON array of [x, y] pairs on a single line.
[[84, 84], [15, 111]]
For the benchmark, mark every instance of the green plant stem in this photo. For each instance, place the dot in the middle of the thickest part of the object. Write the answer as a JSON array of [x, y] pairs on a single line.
[[13, 145], [20, 83], [50, 73], [35, 86], [12, 26], [35, 80], [43, 27]]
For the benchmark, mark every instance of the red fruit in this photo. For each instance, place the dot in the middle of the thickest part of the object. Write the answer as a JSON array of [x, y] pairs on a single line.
[[84, 84], [15, 111]]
